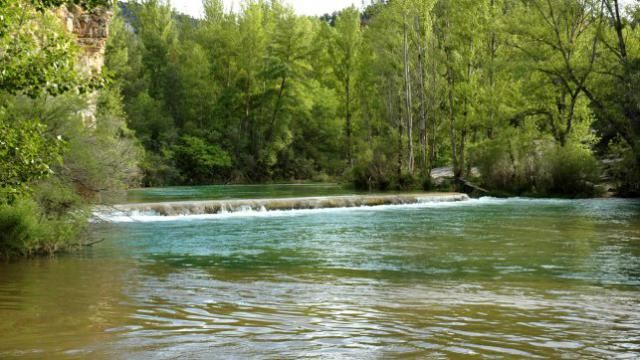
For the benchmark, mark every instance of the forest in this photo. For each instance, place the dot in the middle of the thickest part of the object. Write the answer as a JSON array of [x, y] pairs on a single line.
[[526, 97], [519, 97]]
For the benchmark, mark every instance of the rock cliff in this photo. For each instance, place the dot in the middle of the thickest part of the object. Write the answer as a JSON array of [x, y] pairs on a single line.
[[91, 29]]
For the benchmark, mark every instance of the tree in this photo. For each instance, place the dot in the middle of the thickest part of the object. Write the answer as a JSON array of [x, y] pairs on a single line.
[[614, 91], [555, 38], [388, 93], [27, 155], [203, 162], [461, 44], [37, 58], [345, 51]]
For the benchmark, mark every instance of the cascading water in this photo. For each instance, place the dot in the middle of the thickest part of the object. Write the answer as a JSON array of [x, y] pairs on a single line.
[[169, 210]]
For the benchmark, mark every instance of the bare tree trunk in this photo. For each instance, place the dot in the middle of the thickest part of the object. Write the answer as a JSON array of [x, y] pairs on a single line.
[[248, 123], [492, 81], [400, 143], [424, 162], [452, 129], [433, 156], [615, 15], [276, 109], [348, 120], [393, 118], [408, 99], [459, 171], [461, 162]]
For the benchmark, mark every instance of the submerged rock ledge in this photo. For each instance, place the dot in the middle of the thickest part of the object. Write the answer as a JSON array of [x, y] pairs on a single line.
[[228, 206]]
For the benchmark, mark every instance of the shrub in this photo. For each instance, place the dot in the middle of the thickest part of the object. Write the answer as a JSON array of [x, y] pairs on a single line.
[[505, 167], [159, 169], [200, 161], [25, 230], [569, 170], [538, 167], [427, 183], [405, 181], [625, 171], [19, 228], [27, 153]]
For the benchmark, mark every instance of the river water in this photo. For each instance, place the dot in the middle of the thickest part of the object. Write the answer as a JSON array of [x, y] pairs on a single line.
[[485, 278]]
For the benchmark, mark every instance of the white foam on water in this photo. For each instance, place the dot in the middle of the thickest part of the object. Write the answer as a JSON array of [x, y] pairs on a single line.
[[114, 216]]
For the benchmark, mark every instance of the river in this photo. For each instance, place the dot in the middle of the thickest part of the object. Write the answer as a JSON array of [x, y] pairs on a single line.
[[483, 278]]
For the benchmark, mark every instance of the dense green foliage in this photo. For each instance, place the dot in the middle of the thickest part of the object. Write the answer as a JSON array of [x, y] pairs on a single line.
[[26, 155], [529, 92], [52, 162]]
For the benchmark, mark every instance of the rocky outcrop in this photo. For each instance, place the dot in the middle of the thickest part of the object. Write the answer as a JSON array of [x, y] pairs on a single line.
[[91, 29]]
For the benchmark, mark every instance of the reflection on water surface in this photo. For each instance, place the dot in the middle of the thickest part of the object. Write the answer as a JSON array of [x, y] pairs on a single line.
[[488, 278]]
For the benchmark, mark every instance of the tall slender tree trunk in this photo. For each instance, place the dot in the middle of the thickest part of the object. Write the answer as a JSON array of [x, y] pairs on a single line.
[[390, 104], [631, 135], [276, 109], [248, 123], [348, 120], [400, 138], [433, 156], [424, 161], [459, 170], [408, 99], [461, 156], [492, 80], [452, 128], [615, 12], [450, 89]]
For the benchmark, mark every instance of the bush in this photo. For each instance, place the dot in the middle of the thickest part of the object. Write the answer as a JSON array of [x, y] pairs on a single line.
[[405, 181], [19, 228], [428, 184], [570, 170], [25, 230], [369, 177], [159, 169], [505, 167], [539, 168], [56, 199], [200, 161], [27, 153], [625, 171]]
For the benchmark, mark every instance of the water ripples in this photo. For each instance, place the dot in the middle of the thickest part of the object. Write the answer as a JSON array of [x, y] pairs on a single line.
[[489, 278], [355, 317]]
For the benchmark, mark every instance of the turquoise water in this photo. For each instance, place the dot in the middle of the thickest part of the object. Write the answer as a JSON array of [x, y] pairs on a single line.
[[485, 278]]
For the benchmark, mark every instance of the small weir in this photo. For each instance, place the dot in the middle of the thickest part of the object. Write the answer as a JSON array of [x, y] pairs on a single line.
[[187, 208]]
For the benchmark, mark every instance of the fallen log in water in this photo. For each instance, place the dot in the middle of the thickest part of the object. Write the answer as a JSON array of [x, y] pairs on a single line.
[[228, 206]]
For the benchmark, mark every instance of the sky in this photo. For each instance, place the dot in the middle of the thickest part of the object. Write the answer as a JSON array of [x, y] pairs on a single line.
[[303, 7]]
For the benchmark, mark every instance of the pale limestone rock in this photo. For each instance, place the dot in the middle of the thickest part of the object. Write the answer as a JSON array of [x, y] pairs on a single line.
[[91, 29]]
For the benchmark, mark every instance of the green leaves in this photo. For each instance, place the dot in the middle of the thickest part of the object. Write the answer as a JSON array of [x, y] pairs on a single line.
[[27, 154], [35, 56], [274, 93], [42, 5], [203, 160]]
